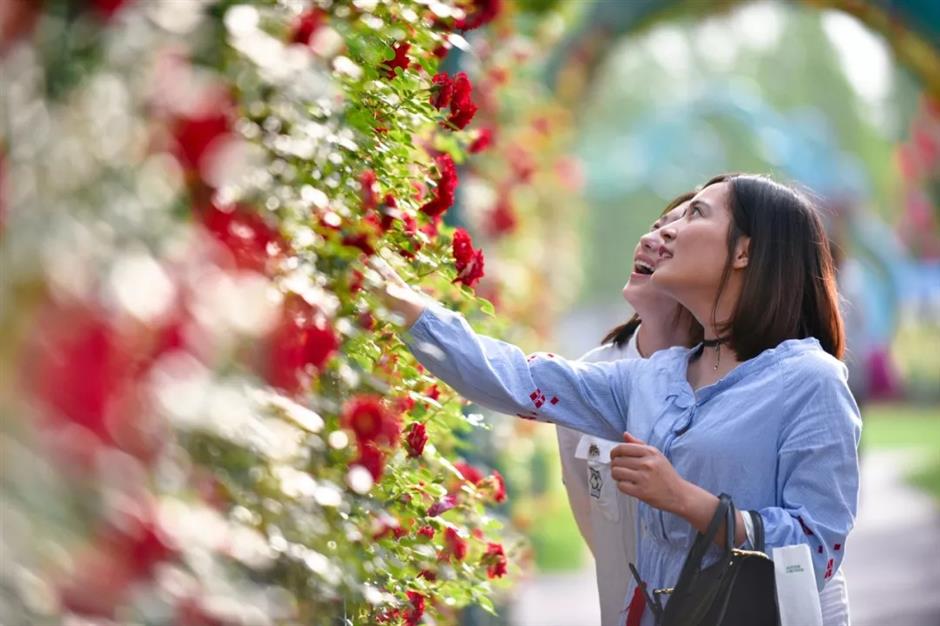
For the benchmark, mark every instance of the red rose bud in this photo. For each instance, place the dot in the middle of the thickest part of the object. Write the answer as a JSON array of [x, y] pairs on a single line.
[[482, 141], [417, 438], [462, 107], [399, 60], [469, 262], [308, 23], [446, 187], [433, 392], [482, 12], [495, 561], [442, 506], [455, 546], [302, 339], [17, 21]]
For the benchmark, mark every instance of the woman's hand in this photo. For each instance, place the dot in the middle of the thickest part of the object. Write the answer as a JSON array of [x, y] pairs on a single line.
[[397, 295], [643, 472]]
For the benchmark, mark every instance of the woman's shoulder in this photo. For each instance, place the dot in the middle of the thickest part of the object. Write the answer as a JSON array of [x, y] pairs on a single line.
[[808, 370]]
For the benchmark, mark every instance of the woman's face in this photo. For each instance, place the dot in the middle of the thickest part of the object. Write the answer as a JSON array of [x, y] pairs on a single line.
[[638, 291], [692, 257]]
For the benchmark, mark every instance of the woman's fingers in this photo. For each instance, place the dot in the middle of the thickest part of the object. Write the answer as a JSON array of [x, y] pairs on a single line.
[[627, 450], [626, 474]]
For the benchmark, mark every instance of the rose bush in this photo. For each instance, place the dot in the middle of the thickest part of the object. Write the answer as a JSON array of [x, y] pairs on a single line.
[[212, 420]]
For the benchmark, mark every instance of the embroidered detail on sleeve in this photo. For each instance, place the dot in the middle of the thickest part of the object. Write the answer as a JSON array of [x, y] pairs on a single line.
[[829, 568]]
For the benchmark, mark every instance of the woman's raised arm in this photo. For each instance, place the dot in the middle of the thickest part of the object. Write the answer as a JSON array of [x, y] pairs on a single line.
[[589, 397]]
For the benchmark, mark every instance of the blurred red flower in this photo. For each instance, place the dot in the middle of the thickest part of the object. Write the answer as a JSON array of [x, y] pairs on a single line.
[[416, 612], [502, 218], [495, 560], [253, 244], [446, 187], [306, 24], [469, 262], [417, 438], [455, 546], [400, 59], [302, 339], [482, 141], [480, 13]]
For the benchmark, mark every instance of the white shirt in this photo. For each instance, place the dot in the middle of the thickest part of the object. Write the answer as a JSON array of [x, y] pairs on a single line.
[[607, 518]]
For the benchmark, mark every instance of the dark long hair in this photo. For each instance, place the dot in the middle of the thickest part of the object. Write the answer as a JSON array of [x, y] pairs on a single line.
[[621, 334], [789, 289]]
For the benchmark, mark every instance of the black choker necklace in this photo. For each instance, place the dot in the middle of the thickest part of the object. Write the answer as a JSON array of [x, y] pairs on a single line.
[[714, 343], [711, 343]]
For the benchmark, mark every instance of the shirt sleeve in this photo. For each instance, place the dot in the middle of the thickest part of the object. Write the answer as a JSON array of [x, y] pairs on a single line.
[[588, 397], [817, 471]]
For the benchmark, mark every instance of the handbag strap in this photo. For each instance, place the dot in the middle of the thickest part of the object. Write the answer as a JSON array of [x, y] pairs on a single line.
[[758, 523], [693, 562]]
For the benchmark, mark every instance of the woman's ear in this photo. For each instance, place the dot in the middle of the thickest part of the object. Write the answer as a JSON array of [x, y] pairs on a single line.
[[742, 251]]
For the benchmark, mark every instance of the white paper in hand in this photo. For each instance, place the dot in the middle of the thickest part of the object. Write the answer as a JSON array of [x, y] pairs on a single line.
[[797, 596]]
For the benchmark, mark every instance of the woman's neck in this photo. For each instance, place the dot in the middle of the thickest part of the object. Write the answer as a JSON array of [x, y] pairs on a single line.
[[659, 331]]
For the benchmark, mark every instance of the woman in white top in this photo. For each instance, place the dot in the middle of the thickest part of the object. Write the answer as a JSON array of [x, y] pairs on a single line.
[[605, 517]]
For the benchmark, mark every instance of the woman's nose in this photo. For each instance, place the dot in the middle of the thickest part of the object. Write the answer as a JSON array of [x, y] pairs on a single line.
[[650, 240], [668, 233]]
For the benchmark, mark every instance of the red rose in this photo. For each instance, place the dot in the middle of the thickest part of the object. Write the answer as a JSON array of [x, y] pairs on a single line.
[[416, 612], [399, 60], [499, 486], [462, 107], [455, 546], [433, 392], [367, 182], [371, 421], [442, 90], [302, 339], [196, 136], [482, 12], [426, 531], [502, 219], [253, 244], [17, 21], [495, 561], [482, 141], [417, 438], [469, 262], [446, 187], [456, 94], [469, 473], [371, 458], [443, 505], [308, 23], [107, 9]]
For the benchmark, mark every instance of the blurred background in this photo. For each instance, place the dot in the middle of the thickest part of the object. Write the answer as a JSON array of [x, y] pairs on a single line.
[[667, 94], [601, 111]]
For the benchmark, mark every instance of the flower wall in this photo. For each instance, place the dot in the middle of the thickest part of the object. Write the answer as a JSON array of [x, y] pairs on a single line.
[[207, 417]]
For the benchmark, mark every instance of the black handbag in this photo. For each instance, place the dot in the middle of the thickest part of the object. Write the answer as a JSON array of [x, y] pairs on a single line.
[[737, 590]]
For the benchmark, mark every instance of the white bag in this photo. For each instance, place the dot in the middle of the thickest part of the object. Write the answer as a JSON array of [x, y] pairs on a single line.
[[797, 596]]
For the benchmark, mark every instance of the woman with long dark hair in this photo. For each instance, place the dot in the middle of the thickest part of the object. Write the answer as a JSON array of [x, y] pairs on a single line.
[[760, 409]]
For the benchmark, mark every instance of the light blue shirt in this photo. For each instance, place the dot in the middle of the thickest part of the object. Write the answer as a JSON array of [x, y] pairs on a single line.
[[779, 433]]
